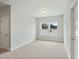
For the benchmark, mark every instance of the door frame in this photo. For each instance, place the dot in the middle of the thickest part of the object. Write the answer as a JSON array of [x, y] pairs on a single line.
[[74, 4]]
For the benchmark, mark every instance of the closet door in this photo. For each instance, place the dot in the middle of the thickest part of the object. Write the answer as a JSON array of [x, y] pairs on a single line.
[[5, 35]]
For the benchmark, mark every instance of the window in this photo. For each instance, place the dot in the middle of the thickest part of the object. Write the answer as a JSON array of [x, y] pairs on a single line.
[[44, 26]]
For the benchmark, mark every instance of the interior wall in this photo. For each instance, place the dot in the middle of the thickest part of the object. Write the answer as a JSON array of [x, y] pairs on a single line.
[[67, 31], [22, 27], [58, 37]]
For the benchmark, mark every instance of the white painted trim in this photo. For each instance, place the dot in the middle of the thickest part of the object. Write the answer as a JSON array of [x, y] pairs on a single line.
[[74, 3], [25, 43], [69, 57]]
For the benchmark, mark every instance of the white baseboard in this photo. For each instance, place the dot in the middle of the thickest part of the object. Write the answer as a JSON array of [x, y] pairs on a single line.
[[12, 49], [69, 57]]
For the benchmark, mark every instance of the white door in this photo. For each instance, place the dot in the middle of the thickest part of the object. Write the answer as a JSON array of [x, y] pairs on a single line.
[[5, 32], [74, 33], [53, 30], [56, 30]]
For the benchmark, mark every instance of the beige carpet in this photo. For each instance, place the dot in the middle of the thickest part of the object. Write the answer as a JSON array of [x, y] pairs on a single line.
[[38, 50]]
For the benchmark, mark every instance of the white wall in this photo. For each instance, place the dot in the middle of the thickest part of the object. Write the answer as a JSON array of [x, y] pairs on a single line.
[[53, 37], [22, 27], [67, 32]]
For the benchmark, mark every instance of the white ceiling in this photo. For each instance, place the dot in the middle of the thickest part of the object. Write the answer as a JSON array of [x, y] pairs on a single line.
[[32, 7]]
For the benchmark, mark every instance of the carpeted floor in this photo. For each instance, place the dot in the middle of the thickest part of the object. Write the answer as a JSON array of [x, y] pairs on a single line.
[[38, 50]]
